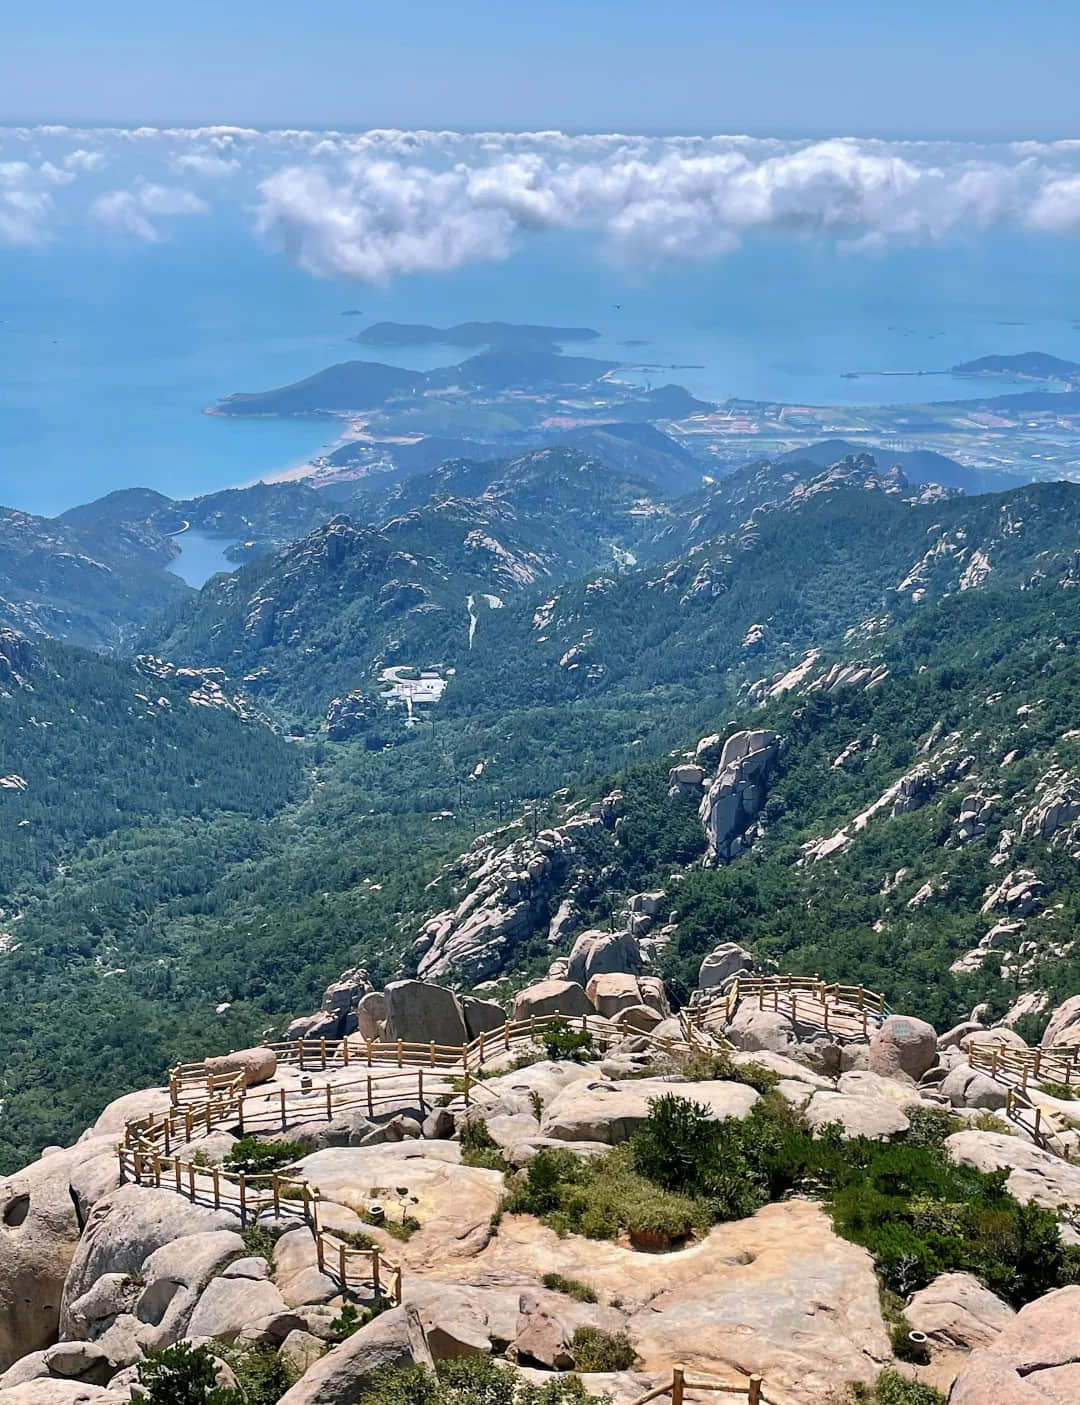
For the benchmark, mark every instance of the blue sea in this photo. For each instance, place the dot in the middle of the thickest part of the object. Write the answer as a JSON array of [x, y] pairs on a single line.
[[108, 356]]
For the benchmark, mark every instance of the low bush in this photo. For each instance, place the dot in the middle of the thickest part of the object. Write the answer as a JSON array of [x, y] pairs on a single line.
[[892, 1388], [479, 1147], [929, 1126], [185, 1375], [1058, 1090], [261, 1158], [572, 1287], [917, 1212], [596, 1350], [470, 1380], [258, 1242], [562, 1042]]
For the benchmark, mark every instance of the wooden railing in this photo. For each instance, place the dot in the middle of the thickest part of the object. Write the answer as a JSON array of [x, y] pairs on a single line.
[[850, 1011], [749, 1388], [1005, 1062]]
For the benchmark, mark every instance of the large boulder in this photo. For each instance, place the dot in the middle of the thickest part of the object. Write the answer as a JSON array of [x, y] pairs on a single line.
[[752, 1029], [228, 1305], [610, 1112], [125, 1228], [613, 992], [859, 1115], [1064, 1026], [552, 998], [903, 1047], [418, 1013], [598, 953], [39, 1232], [371, 1015], [1033, 1360], [481, 1016], [722, 963], [965, 1086], [956, 1310], [1034, 1175], [258, 1065], [392, 1341], [343, 994], [736, 794], [50, 1390]]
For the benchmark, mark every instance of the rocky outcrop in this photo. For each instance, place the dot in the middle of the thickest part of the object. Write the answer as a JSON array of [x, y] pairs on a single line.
[[736, 794], [596, 953], [392, 1341], [352, 715], [1056, 808], [1034, 1176], [511, 891], [1033, 1360], [1064, 1026], [1020, 893], [258, 1065]]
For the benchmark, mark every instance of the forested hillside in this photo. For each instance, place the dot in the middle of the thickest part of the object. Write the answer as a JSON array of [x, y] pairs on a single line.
[[210, 876]]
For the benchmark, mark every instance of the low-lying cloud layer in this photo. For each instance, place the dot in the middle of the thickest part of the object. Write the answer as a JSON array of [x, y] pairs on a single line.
[[372, 205]]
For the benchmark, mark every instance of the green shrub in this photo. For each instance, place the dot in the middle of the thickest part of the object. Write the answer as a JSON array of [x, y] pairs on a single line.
[[596, 1350], [892, 1388], [258, 1241], [350, 1319], [929, 1126], [181, 1375], [478, 1147], [562, 1042], [469, 1380], [1058, 1090], [572, 1287], [261, 1158], [262, 1375]]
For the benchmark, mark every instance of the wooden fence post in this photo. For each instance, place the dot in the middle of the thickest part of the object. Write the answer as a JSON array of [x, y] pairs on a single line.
[[467, 1085], [275, 1186], [400, 1060], [329, 1103], [191, 1180], [480, 1051], [282, 1093], [300, 1052], [217, 1189], [678, 1385], [375, 1271], [319, 1252], [322, 1050], [432, 1057], [397, 1284], [369, 1053], [343, 1266], [753, 1391], [370, 1106], [420, 1087], [243, 1199], [506, 1035], [345, 1050]]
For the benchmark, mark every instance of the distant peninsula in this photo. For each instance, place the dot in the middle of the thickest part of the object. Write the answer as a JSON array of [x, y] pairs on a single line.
[[1029, 365], [500, 336]]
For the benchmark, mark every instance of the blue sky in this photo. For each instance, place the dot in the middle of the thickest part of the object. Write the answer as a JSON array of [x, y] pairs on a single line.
[[978, 68]]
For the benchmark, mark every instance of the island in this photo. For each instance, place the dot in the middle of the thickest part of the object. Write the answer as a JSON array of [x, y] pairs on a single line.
[[496, 336], [1027, 365]]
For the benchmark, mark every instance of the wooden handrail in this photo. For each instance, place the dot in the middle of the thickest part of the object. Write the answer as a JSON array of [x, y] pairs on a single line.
[[748, 1389]]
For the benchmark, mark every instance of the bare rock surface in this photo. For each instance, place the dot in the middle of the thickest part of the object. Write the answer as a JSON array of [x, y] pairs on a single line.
[[1064, 1026], [454, 1203], [1034, 1359], [859, 1115], [228, 1305], [610, 1112], [1035, 1176], [39, 1232], [777, 1293], [393, 1340], [956, 1310]]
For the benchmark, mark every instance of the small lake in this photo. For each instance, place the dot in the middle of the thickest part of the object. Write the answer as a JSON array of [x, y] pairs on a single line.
[[201, 556]]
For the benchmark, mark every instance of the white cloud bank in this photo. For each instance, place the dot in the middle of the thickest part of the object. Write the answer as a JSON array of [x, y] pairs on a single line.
[[376, 204]]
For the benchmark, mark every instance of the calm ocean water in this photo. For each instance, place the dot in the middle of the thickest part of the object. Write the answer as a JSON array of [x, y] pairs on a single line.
[[108, 358]]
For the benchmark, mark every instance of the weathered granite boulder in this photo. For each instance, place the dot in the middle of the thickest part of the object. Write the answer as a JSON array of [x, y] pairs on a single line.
[[39, 1232], [610, 1112], [903, 1047], [371, 1015], [343, 995], [50, 1390], [752, 1029], [596, 953], [418, 1012], [547, 1322], [552, 998], [125, 1228], [1035, 1176], [965, 1086], [613, 992], [1033, 1360], [637, 1019], [859, 1115], [228, 1305], [393, 1340], [1064, 1026], [952, 1037], [722, 963], [258, 1065], [481, 1016], [956, 1310]]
